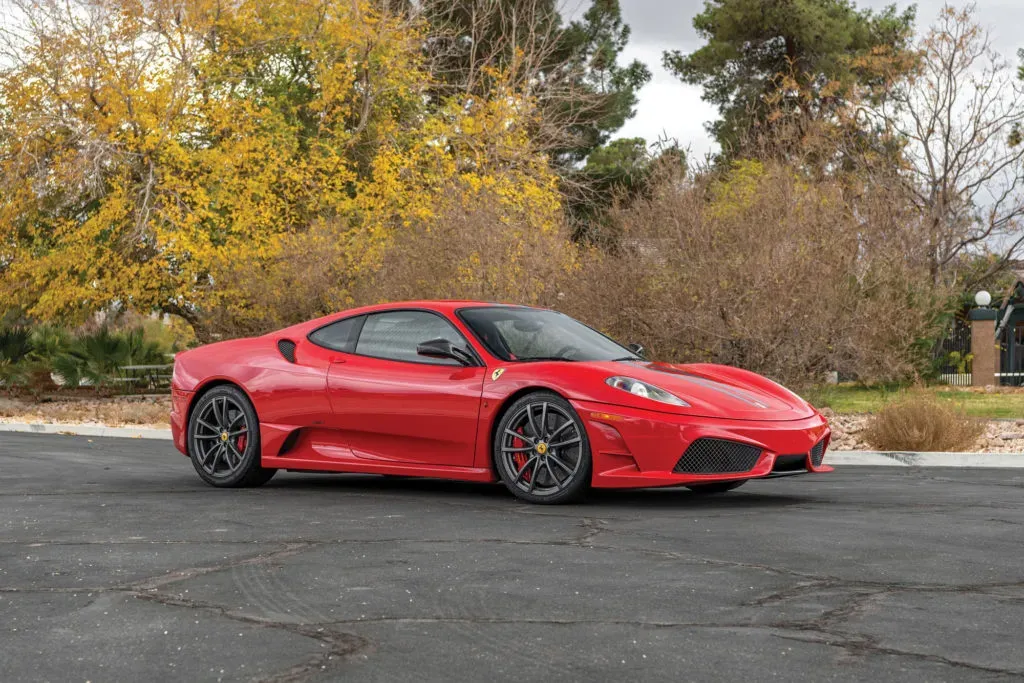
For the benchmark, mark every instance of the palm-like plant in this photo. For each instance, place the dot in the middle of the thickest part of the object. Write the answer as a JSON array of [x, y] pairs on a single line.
[[140, 351], [14, 348], [12, 374], [96, 358], [15, 344], [48, 342]]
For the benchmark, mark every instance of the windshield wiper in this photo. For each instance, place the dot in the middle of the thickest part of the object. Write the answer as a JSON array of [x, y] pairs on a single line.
[[616, 360], [568, 360]]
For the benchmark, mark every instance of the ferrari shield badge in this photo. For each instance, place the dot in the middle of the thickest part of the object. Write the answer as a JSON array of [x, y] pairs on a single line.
[[497, 373]]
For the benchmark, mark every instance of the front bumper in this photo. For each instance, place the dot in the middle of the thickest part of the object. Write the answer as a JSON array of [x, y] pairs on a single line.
[[179, 417], [640, 448]]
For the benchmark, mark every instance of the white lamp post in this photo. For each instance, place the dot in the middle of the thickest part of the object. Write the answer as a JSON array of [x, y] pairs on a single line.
[[983, 332]]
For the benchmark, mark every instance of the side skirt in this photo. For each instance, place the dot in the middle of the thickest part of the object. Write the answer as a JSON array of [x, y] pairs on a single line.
[[435, 471]]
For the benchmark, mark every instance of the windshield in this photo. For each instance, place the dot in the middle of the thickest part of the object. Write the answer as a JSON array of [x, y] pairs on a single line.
[[524, 334]]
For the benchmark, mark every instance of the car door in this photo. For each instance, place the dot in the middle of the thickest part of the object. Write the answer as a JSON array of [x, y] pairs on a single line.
[[394, 405]]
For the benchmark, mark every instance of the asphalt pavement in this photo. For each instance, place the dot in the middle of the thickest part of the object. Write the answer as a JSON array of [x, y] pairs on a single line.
[[118, 564]]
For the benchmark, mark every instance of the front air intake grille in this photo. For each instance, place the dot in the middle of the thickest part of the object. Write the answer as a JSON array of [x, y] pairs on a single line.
[[818, 453], [794, 462], [714, 456], [287, 349]]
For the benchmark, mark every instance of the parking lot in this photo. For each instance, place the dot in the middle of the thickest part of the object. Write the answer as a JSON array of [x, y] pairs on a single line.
[[118, 564]]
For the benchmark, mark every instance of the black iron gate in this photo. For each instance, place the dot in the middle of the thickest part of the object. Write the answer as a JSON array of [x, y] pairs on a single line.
[[952, 355], [1011, 361]]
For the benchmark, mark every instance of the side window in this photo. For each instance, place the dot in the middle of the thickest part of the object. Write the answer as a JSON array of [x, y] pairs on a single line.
[[339, 336], [396, 334]]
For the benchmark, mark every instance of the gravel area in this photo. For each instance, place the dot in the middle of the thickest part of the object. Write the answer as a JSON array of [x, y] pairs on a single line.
[[120, 411], [1001, 436]]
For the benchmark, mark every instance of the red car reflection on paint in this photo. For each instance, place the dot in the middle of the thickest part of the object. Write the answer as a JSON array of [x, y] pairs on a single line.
[[481, 392]]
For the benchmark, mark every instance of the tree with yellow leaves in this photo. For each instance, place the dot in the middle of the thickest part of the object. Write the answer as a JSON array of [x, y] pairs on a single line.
[[168, 155]]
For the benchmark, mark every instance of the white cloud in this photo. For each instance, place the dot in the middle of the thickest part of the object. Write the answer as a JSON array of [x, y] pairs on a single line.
[[668, 107]]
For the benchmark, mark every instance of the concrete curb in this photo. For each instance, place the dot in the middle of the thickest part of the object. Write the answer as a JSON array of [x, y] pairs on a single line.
[[901, 459], [86, 430], [842, 458]]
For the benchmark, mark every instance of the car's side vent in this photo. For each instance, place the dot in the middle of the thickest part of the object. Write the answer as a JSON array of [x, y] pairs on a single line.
[[289, 442], [287, 349], [818, 453]]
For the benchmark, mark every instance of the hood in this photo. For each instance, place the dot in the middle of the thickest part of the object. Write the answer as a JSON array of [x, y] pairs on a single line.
[[715, 390]]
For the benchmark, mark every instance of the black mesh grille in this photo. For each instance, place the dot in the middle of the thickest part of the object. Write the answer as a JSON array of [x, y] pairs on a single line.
[[287, 349], [818, 453], [711, 456], [794, 462]]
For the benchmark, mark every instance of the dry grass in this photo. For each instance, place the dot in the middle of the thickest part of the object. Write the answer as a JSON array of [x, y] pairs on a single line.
[[111, 411], [922, 423]]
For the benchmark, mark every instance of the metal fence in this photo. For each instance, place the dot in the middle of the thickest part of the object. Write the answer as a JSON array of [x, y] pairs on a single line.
[[952, 355], [1011, 356]]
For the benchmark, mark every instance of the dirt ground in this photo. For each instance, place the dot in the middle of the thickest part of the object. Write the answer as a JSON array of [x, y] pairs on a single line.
[[149, 411]]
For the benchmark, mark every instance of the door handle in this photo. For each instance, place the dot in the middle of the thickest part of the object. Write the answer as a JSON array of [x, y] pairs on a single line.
[[337, 361]]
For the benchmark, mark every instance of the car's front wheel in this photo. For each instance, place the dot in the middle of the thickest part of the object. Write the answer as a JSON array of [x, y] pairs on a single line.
[[541, 450], [224, 439]]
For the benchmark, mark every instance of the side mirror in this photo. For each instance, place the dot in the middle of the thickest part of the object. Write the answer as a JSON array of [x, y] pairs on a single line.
[[638, 349], [442, 348]]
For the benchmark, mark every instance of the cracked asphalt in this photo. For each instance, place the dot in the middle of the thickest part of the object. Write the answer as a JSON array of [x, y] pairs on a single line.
[[118, 564]]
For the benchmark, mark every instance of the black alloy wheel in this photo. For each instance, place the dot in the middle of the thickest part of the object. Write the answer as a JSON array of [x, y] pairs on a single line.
[[541, 450], [224, 439]]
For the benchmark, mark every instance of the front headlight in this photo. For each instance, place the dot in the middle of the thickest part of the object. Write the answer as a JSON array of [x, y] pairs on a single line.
[[645, 390]]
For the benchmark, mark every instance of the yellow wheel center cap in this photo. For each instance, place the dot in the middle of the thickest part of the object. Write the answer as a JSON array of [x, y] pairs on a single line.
[[223, 436], [542, 448]]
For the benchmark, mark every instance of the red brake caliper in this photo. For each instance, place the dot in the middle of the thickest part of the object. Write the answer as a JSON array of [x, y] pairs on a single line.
[[240, 443], [521, 457]]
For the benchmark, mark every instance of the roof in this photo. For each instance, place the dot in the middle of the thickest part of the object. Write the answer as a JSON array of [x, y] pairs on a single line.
[[447, 306]]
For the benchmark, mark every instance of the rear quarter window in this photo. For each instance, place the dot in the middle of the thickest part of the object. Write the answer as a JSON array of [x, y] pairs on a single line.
[[340, 335]]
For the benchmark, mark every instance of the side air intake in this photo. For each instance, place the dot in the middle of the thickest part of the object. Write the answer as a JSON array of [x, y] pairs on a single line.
[[818, 453], [289, 442], [287, 349]]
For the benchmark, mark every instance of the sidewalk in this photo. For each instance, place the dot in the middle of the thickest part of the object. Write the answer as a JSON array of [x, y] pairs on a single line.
[[87, 430]]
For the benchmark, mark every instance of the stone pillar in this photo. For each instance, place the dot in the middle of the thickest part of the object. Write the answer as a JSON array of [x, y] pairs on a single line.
[[983, 347]]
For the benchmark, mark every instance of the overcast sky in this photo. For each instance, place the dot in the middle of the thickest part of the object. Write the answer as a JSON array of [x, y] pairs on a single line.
[[669, 108]]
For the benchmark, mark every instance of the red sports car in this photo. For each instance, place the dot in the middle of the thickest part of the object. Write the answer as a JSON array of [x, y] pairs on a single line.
[[479, 392]]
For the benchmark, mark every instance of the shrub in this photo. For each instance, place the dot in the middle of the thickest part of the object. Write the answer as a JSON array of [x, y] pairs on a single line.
[[922, 423], [15, 347], [768, 269], [49, 342], [97, 357], [15, 344], [475, 243], [476, 247]]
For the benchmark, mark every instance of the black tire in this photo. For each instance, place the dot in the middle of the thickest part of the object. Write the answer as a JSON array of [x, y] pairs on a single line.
[[224, 439], [719, 487], [559, 473]]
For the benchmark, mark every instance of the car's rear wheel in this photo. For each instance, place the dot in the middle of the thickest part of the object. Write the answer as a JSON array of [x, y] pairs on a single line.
[[541, 450], [718, 487], [224, 439]]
